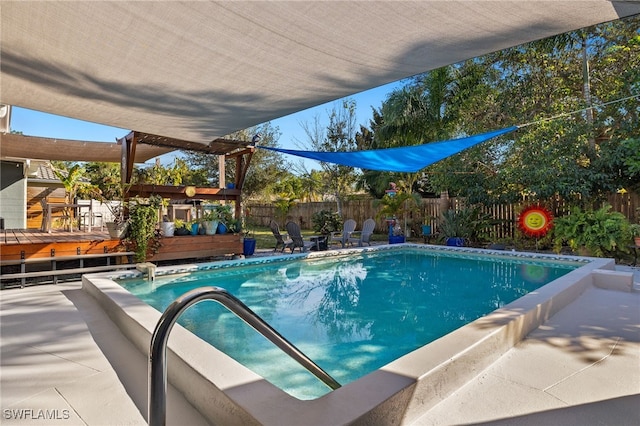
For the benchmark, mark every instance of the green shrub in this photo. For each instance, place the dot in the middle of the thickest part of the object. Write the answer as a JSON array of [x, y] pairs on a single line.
[[469, 223], [600, 233], [143, 227], [326, 221]]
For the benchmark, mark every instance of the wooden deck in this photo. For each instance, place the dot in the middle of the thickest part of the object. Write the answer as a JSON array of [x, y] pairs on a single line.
[[29, 256], [31, 243], [17, 244]]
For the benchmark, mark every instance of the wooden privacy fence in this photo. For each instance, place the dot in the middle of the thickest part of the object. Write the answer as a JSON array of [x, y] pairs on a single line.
[[505, 216]]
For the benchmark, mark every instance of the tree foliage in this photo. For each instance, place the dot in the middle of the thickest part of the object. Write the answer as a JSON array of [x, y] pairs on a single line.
[[576, 94], [266, 166], [600, 232], [339, 135]]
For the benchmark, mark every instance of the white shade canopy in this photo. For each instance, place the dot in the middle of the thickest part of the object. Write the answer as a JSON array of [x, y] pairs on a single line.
[[200, 70]]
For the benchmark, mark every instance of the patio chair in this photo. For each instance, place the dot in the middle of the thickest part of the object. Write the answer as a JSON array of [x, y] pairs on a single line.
[[46, 220], [91, 218], [293, 229], [343, 236], [364, 236], [427, 233], [280, 240]]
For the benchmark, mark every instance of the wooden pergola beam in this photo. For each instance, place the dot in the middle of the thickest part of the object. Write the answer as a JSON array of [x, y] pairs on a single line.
[[180, 192]]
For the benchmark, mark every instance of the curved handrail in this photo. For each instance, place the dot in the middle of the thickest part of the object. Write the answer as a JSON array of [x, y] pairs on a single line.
[[158, 351]]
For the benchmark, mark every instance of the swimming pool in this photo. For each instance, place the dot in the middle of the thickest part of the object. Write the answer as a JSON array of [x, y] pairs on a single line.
[[351, 314], [400, 391]]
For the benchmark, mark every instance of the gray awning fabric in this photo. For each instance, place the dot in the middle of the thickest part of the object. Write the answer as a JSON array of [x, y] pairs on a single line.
[[197, 71], [33, 147], [407, 159]]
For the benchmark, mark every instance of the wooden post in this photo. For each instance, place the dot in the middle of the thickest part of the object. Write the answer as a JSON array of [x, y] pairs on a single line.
[[127, 157], [221, 172], [444, 201]]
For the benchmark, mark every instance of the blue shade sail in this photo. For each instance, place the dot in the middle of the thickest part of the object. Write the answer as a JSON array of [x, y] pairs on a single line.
[[407, 159]]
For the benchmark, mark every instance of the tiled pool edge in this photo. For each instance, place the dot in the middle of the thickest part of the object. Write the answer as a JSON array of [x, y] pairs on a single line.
[[401, 391], [224, 264]]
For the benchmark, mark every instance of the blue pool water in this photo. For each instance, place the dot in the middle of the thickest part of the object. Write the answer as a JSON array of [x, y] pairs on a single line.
[[350, 314]]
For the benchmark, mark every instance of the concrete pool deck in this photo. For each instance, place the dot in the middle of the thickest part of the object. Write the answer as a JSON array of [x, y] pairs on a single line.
[[63, 358]]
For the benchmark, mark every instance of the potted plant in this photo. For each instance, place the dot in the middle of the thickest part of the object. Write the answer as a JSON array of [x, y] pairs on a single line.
[[143, 230], [464, 226], [181, 228], [393, 206], [635, 233], [114, 199], [119, 226], [235, 226], [454, 228], [248, 241], [194, 226], [210, 220], [167, 227], [225, 215]]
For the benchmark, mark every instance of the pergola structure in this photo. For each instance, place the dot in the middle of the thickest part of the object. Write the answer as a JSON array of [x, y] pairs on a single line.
[[39, 148], [224, 148], [138, 147]]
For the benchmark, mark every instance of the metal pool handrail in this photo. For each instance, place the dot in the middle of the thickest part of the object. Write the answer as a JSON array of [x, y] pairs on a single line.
[[157, 408]]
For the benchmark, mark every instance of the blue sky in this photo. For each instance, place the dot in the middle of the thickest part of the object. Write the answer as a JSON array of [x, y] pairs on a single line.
[[35, 123]]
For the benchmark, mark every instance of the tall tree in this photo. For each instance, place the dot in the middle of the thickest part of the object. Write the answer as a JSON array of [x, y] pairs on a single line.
[[429, 108], [564, 151], [338, 135], [266, 166], [546, 81]]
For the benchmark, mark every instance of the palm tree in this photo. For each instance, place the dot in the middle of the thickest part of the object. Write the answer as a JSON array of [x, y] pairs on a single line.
[[426, 110], [398, 205]]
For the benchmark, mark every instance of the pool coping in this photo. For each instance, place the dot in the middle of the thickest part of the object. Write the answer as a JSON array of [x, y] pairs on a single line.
[[225, 391]]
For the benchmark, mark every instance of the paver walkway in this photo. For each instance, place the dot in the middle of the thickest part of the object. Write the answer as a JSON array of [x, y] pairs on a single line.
[[63, 362], [582, 367]]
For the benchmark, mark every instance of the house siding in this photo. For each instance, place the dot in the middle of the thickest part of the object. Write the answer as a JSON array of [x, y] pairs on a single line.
[[13, 186]]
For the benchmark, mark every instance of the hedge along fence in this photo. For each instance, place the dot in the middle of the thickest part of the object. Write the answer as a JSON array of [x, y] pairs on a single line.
[[505, 215]]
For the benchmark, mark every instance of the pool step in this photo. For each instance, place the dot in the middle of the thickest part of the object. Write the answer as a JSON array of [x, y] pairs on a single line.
[[613, 280]]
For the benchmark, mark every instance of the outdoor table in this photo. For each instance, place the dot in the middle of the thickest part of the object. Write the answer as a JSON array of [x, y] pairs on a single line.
[[51, 206], [317, 241]]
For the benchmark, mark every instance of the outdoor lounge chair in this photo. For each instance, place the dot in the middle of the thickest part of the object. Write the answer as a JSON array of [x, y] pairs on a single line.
[[293, 229], [342, 237], [364, 236], [280, 240]]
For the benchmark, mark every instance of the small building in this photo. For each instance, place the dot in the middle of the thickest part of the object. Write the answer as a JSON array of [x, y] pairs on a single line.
[[25, 183]]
